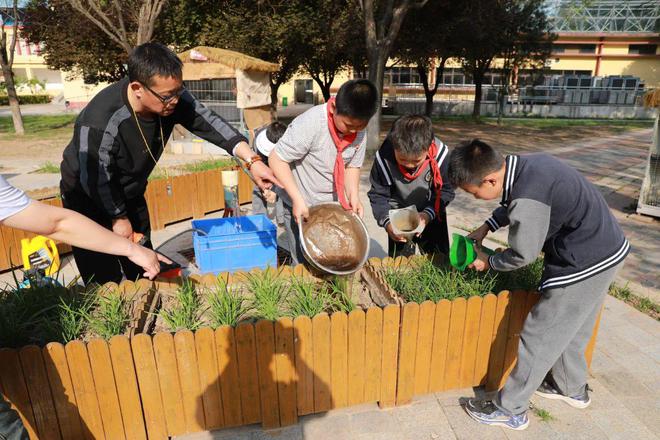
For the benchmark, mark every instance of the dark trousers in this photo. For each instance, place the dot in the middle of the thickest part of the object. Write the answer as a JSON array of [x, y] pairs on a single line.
[[103, 268], [434, 239], [11, 426]]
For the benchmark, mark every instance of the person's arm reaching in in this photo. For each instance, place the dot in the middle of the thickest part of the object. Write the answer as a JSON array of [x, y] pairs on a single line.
[[70, 227]]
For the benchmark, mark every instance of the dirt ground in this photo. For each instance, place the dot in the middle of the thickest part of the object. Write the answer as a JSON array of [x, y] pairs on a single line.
[[37, 150]]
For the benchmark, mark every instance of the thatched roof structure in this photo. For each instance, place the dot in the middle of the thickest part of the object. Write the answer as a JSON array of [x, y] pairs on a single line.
[[652, 98], [221, 63]]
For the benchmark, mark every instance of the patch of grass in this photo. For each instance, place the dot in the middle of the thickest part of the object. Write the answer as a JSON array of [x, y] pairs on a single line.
[[48, 168], [428, 282], [543, 414], [617, 125], [206, 165], [525, 278], [42, 313], [226, 307], [38, 126], [157, 174], [269, 292], [307, 298], [340, 289], [186, 313], [641, 303], [110, 316]]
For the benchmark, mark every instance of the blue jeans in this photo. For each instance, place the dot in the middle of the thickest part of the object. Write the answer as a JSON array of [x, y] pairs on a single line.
[[11, 426]]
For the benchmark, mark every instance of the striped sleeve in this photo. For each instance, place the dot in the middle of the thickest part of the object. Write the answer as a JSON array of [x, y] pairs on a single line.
[[206, 124], [380, 192], [97, 158], [499, 219]]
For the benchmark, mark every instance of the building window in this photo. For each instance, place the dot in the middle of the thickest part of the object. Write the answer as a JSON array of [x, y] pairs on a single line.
[[587, 48], [642, 49], [558, 48], [403, 75]]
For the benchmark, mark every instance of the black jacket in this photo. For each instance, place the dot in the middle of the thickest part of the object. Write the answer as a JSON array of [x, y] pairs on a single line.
[[107, 158]]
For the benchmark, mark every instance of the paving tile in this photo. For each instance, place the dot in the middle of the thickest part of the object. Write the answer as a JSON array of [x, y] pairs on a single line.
[[326, 426], [378, 421], [465, 428], [621, 425]]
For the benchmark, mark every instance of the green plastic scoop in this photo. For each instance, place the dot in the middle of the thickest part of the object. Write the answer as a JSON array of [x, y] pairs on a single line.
[[462, 252]]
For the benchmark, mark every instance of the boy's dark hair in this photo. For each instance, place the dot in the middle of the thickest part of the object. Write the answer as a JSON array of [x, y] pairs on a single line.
[[275, 131], [412, 134], [357, 98], [470, 162], [150, 59]]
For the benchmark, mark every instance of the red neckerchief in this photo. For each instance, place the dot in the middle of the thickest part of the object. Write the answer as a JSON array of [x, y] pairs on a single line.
[[435, 170], [341, 143]]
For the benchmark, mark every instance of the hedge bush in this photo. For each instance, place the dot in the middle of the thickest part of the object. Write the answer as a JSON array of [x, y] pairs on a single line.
[[27, 99]]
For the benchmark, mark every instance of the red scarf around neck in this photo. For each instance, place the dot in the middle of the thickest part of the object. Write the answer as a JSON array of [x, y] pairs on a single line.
[[341, 143], [435, 170]]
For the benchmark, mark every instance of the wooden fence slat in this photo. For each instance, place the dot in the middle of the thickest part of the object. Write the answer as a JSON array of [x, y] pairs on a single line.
[[209, 378], [322, 372], [424, 347], [304, 344], [36, 380], [84, 388], [106, 389], [191, 392], [246, 349], [168, 376], [4, 250], [286, 371], [127, 388], [470, 341], [498, 345], [440, 341], [532, 298], [391, 317], [488, 309], [230, 390], [373, 351], [150, 391], [407, 353], [339, 359], [356, 360], [455, 343], [61, 387], [265, 337], [15, 390], [516, 321]]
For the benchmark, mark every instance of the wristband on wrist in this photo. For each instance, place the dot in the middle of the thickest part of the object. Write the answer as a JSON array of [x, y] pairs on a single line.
[[253, 159]]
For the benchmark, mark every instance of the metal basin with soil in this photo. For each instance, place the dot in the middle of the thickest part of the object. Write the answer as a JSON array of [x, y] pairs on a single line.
[[334, 240]]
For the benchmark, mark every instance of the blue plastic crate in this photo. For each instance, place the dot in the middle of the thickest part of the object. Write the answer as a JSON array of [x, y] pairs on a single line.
[[233, 244]]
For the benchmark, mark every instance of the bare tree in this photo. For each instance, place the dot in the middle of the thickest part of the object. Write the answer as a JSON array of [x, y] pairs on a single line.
[[7, 61], [382, 22], [120, 20]]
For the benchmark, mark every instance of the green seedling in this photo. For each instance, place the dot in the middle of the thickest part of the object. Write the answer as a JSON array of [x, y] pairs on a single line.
[[226, 307]]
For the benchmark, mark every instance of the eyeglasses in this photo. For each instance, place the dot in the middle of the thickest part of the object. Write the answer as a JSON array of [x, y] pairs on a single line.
[[166, 99]]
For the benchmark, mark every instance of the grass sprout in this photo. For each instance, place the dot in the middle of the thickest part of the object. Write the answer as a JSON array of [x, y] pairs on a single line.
[[226, 306]]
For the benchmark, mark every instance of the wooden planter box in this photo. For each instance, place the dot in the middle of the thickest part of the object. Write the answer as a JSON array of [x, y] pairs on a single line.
[[192, 196], [269, 372]]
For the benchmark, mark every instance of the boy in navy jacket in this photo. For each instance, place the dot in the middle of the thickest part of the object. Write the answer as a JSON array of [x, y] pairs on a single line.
[[410, 168], [549, 207]]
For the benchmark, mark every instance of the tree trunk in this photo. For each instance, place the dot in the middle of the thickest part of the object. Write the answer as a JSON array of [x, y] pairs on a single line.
[[13, 100], [476, 110], [274, 87], [376, 75]]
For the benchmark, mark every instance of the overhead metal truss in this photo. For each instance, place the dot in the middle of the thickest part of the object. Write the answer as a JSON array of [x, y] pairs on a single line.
[[605, 16]]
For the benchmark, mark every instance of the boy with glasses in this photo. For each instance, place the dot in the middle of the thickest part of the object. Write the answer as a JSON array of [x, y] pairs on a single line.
[[117, 141]]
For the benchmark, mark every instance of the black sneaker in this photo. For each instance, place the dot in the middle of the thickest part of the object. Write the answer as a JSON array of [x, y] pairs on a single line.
[[549, 390]]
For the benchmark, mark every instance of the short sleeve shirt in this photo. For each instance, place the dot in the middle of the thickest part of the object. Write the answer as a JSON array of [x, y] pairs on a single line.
[[311, 153], [12, 200]]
